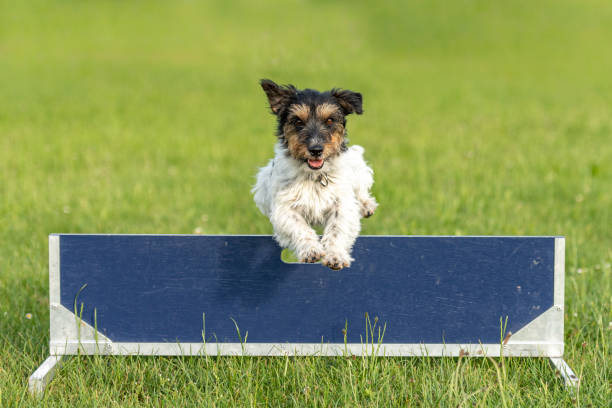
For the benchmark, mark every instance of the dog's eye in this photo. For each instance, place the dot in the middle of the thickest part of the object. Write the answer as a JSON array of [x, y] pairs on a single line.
[[330, 121], [298, 122]]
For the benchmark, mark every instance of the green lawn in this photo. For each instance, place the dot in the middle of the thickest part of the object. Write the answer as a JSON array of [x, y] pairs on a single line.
[[481, 118]]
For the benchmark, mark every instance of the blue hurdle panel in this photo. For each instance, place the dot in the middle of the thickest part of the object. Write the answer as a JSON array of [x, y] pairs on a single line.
[[191, 294]]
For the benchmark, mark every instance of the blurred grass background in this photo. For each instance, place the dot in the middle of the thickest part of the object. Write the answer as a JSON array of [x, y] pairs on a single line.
[[146, 117]]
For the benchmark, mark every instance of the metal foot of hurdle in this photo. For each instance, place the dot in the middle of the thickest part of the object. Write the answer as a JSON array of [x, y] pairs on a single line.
[[188, 295]]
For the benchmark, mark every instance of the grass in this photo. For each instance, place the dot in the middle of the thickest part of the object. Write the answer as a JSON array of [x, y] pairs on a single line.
[[146, 117]]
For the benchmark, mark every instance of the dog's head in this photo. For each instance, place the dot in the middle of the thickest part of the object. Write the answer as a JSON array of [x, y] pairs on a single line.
[[311, 124]]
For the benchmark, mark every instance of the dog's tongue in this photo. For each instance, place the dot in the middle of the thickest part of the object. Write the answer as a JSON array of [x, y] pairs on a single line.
[[315, 163]]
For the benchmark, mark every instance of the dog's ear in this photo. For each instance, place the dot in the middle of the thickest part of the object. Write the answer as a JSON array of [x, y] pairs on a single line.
[[349, 101], [278, 96]]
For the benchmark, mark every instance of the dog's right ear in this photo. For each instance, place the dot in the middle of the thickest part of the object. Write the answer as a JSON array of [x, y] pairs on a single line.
[[278, 96]]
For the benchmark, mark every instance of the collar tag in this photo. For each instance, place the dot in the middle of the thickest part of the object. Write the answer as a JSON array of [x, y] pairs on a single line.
[[323, 179]]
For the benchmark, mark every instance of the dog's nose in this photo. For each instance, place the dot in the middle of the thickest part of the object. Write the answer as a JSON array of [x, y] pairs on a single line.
[[316, 150]]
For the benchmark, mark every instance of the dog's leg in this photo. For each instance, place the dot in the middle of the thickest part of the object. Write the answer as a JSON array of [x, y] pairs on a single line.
[[362, 183], [341, 230], [367, 205], [292, 231]]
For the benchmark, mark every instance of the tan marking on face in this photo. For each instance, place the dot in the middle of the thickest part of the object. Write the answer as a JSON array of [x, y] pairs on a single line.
[[334, 146], [296, 148], [301, 111], [325, 110]]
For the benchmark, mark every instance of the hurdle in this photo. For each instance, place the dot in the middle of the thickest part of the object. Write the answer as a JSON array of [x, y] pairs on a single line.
[[193, 295]]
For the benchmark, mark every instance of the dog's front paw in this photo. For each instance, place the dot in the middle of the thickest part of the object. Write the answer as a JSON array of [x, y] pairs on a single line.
[[312, 254], [368, 206], [336, 260]]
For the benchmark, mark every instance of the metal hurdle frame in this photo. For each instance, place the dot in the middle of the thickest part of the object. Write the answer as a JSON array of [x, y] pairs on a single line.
[[70, 335]]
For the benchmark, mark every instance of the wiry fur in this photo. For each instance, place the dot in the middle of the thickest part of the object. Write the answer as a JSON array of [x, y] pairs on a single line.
[[295, 196]]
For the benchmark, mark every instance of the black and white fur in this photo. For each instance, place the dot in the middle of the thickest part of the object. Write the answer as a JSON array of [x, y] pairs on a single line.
[[314, 177]]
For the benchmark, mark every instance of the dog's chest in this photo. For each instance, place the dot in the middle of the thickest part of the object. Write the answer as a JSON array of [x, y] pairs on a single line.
[[313, 198]]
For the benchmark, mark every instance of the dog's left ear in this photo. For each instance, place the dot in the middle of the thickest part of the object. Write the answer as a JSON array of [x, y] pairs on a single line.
[[278, 96], [349, 101]]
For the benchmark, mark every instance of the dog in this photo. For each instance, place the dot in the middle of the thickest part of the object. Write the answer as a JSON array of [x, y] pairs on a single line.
[[315, 178]]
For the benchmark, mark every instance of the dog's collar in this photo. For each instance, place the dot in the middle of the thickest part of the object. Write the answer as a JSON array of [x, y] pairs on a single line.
[[323, 179]]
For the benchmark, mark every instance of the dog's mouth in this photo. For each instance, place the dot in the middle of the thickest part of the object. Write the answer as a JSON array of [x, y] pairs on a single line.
[[315, 164]]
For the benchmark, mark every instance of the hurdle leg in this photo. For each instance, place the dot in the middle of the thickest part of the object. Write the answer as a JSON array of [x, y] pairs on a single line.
[[43, 375], [571, 380]]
